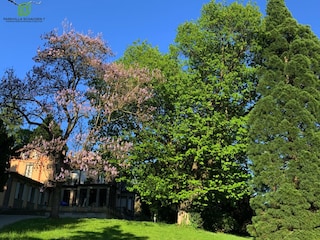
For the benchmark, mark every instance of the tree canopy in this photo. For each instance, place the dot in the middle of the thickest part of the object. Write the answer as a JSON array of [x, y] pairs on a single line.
[[193, 153], [59, 97]]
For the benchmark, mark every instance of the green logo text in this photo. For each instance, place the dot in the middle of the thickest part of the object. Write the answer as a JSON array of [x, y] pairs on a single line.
[[24, 9]]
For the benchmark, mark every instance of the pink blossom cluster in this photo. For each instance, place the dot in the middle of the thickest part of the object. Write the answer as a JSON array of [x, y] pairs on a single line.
[[126, 86], [44, 147], [111, 172], [73, 102], [69, 62], [92, 163], [83, 159], [117, 147], [62, 175], [74, 46]]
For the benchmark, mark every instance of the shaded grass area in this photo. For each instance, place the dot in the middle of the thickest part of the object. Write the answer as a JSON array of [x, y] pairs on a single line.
[[71, 228]]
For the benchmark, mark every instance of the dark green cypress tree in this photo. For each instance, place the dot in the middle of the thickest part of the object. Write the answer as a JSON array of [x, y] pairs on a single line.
[[285, 131]]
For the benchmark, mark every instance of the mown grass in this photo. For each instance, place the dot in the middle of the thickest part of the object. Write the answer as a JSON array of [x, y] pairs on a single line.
[[70, 228]]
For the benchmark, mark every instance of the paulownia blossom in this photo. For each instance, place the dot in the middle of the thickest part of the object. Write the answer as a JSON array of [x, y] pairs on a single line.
[[63, 85]]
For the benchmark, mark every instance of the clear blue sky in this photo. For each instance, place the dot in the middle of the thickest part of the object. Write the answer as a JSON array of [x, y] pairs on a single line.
[[120, 21]]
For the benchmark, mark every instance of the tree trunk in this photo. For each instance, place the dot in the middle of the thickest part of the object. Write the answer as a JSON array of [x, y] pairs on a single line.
[[183, 217], [55, 203], [183, 214]]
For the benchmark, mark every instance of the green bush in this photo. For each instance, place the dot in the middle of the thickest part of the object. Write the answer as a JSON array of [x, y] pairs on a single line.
[[196, 220]]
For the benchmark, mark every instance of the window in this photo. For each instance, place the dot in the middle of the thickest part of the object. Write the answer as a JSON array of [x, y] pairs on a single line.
[[19, 191], [29, 169], [31, 195], [16, 195]]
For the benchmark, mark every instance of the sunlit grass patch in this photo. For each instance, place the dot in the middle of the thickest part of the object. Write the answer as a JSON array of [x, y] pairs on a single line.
[[70, 228]]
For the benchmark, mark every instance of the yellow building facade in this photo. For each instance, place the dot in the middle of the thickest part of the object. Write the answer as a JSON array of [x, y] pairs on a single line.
[[27, 189], [25, 186], [36, 166]]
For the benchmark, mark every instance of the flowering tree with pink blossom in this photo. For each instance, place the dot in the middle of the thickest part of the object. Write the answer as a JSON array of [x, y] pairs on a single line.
[[72, 82]]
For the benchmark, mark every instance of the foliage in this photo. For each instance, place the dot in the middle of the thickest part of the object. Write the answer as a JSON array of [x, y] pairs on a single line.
[[196, 220], [195, 149], [212, 109], [70, 228], [21, 137], [284, 131], [227, 216], [144, 55], [6, 144], [41, 130]]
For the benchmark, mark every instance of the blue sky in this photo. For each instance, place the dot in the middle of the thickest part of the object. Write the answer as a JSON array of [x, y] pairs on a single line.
[[120, 21]]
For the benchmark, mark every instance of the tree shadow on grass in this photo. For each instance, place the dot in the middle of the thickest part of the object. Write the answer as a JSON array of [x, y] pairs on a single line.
[[35, 225], [110, 233], [39, 225]]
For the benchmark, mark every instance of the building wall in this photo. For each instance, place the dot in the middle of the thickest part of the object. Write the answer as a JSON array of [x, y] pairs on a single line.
[[29, 175], [22, 193], [36, 167], [97, 198]]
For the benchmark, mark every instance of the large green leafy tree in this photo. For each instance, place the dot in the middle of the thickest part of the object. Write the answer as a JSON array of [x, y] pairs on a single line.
[[150, 139], [6, 143], [221, 50], [284, 131], [194, 153]]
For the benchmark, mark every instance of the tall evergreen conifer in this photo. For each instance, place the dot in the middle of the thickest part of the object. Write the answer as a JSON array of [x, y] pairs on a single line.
[[285, 131]]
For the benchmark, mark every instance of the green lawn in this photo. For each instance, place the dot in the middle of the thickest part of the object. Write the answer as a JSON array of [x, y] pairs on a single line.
[[90, 229]]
